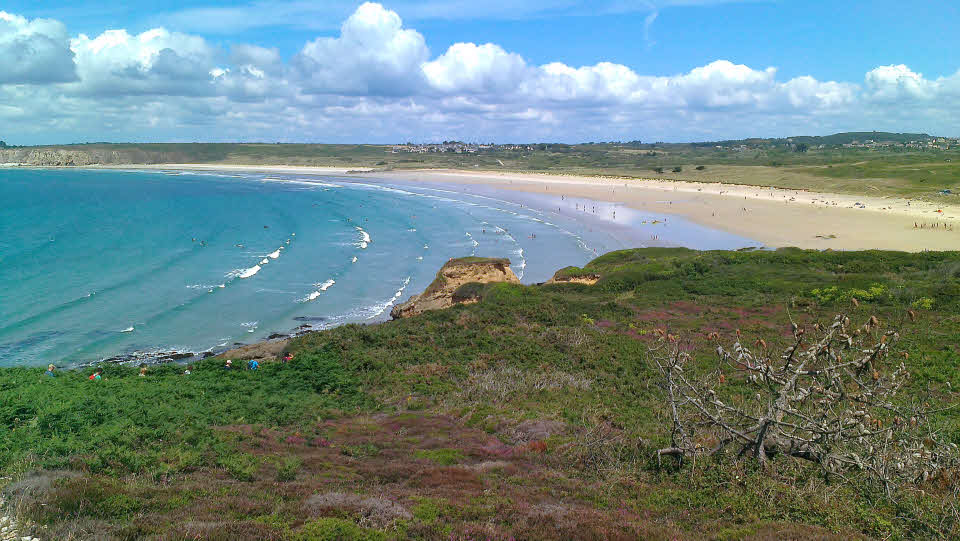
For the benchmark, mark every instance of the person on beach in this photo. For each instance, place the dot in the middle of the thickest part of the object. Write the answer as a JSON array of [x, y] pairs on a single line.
[[97, 375], [288, 357], [252, 364], [143, 371], [189, 370], [49, 373], [228, 365]]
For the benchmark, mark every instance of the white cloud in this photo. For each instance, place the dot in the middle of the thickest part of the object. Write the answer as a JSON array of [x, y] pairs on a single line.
[[891, 83], [374, 55], [156, 62], [471, 68], [34, 52]]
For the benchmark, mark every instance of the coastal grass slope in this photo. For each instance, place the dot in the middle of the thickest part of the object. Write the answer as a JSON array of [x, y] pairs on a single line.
[[531, 414]]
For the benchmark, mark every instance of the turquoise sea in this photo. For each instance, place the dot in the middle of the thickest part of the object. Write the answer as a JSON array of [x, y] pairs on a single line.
[[97, 263]]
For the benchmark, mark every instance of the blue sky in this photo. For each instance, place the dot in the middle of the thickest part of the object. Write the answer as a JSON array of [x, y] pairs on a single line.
[[566, 70]]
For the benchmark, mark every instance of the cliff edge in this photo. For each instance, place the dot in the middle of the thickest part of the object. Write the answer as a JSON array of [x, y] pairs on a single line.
[[442, 293], [574, 275]]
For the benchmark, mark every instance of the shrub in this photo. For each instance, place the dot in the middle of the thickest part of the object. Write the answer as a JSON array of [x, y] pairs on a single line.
[[701, 167], [429, 510], [336, 529], [362, 450], [241, 467], [444, 457], [677, 169], [288, 467]]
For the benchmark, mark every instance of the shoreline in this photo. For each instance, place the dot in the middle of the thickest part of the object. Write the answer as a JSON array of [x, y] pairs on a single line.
[[775, 217]]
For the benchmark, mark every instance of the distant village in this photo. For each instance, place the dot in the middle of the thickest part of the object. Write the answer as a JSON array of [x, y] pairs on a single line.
[[455, 147], [940, 143], [789, 144]]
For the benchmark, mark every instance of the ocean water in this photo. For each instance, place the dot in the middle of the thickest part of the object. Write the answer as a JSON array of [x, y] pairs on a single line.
[[99, 263]]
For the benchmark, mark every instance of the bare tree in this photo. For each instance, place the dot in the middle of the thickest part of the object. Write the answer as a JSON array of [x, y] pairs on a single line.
[[828, 398]]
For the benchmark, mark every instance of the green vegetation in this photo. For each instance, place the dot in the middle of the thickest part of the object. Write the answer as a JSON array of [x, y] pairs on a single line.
[[533, 413], [159, 425], [336, 529], [445, 457]]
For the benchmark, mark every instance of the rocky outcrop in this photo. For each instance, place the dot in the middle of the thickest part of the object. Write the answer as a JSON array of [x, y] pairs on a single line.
[[447, 289]]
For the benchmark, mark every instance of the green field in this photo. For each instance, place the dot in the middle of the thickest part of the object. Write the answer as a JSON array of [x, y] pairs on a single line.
[[533, 414]]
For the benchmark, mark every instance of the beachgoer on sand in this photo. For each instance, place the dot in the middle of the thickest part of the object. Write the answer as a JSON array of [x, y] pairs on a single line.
[[189, 370], [252, 364], [49, 372], [97, 375], [228, 365], [288, 357], [143, 371]]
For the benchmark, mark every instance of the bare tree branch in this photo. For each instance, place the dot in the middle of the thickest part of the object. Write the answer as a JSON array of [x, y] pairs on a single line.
[[828, 398]]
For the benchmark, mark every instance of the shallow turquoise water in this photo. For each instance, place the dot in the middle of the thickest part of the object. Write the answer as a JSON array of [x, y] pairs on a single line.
[[100, 263]]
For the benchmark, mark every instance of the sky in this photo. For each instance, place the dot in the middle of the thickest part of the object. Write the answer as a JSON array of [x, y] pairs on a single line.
[[571, 71]]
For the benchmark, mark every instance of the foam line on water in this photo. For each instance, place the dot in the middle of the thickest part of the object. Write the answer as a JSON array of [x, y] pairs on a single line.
[[365, 239], [247, 273], [378, 309]]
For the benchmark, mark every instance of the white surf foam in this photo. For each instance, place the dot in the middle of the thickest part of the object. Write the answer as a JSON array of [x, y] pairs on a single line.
[[365, 239], [322, 287], [378, 309], [247, 273], [128, 329], [274, 254], [522, 265], [326, 285], [264, 261], [354, 260]]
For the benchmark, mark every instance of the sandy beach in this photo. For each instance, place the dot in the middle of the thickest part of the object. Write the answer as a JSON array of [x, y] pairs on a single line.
[[772, 216], [775, 217]]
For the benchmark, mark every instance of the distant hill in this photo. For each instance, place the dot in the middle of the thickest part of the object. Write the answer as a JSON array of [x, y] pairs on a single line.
[[835, 139]]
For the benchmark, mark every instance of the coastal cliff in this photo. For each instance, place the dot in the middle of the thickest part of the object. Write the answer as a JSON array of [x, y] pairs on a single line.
[[62, 157], [574, 275], [445, 290]]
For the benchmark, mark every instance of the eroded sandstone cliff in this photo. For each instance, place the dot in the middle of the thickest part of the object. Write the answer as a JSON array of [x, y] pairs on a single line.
[[442, 293]]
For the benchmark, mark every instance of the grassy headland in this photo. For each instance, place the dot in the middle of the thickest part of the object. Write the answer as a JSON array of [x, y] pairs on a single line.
[[533, 414]]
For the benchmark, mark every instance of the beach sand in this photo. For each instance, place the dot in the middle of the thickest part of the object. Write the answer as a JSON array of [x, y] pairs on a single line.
[[772, 216], [775, 217]]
